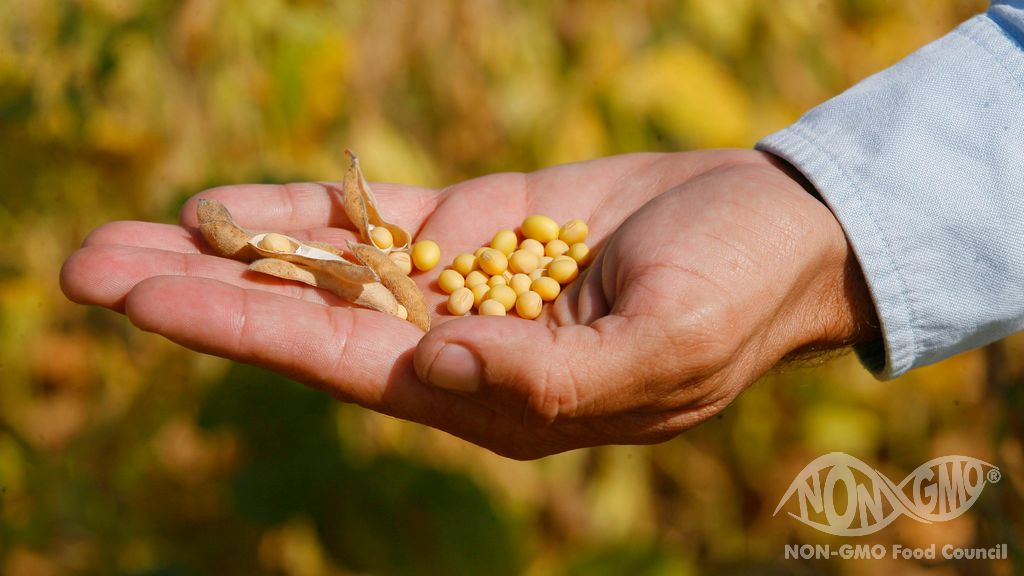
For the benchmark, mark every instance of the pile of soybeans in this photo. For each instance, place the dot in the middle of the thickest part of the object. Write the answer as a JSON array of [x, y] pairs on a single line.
[[517, 273]]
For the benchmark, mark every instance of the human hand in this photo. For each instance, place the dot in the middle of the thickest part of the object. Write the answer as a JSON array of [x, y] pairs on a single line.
[[709, 268]]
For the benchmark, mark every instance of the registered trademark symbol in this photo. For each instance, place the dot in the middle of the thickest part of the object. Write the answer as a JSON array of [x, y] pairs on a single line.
[[994, 475]]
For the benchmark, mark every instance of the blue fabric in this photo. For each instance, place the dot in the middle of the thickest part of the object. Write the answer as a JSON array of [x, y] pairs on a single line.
[[923, 165]]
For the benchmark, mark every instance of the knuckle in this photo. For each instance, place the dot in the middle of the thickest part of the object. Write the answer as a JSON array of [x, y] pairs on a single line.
[[552, 394]]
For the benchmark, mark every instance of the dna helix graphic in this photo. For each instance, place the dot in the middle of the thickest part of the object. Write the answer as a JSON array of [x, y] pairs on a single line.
[[855, 499]]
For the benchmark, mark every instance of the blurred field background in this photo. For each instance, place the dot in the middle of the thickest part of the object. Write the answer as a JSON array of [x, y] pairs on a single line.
[[121, 453]]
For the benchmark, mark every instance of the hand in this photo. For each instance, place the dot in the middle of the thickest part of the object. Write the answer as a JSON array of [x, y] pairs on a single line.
[[710, 268]]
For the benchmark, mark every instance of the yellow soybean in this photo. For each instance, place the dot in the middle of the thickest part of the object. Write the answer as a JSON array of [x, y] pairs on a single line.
[[573, 232], [519, 283], [492, 308], [523, 261], [275, 242], [479, 291], [497, 281], [450, 281], [529, 304], [425, 254], [538, 273], [503, 294], [579, 252], [492, 261], [541, 228], [402, 260], [460, 301], [532, 245], [563, 270], [479, 251], [548, 288], [505, 241], [382, 237], [464, 264], [476, 277], [555, 248], [544, 262]]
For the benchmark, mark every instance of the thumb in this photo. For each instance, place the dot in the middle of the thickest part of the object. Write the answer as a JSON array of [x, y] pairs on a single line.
[[545, 371]]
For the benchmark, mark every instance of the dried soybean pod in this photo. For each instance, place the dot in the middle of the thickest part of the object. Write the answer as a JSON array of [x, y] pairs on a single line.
[[222, 234], [361, 208], [325, 246], [328, 261], [370, 295], [403, 287]]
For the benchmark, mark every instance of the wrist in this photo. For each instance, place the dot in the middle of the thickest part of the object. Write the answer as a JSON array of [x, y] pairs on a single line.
[[836, 310]]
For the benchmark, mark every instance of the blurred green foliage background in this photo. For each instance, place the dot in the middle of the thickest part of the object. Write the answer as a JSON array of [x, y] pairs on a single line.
[[123, 454]]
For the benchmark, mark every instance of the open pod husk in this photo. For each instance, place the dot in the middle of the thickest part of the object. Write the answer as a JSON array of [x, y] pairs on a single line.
[[222, 234], [328, 262], [313, 263], [361, 208], [231, 240], [370, 294], [403, 287]]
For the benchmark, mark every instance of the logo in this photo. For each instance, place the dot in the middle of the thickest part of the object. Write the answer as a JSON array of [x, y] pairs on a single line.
[[843, 496]]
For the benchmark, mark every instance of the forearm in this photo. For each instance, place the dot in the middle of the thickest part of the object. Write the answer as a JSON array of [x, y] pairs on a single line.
[[922, 164]]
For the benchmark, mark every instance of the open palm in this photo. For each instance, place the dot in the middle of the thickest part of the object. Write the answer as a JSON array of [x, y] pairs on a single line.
[[709, 268]]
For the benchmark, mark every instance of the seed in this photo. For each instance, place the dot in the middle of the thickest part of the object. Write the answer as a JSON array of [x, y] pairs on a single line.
[[540, 228], [519, 283], [479, 291], [476, 277], [573, 232], [555, 248], [533, 246], [402, 260], [544, 262], [548, 288], [382, 237], [507, 275], [503, 294], [563, 270], [479, 251], [505, 241], [460, 302], [492, 308], [579, 252], [496, 281], [450, 281], [523, 261], [425, 254], [275, 242], [402, 312], [464, 264], [492, 261], [538, 273], [529, 305]]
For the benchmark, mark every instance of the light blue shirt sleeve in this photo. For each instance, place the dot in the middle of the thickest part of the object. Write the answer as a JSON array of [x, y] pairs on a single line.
[[923, 166]]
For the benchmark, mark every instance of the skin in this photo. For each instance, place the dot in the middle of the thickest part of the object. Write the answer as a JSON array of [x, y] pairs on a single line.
[[709, 268]]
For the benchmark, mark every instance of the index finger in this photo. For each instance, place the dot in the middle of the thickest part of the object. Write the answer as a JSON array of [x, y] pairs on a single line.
[[303, 205], [354, 354]]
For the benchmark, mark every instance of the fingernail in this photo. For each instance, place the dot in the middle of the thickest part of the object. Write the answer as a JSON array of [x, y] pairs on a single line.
[[455, 368]]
